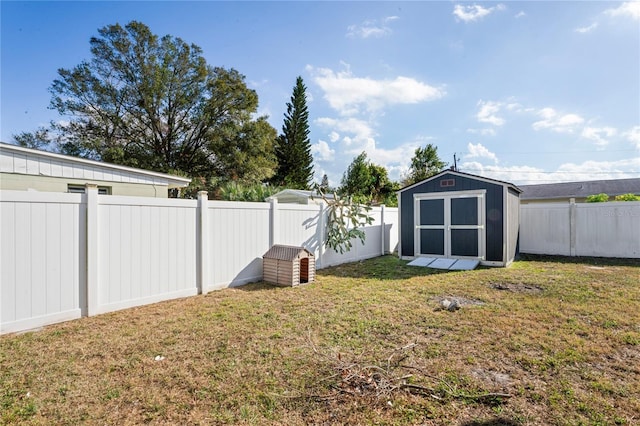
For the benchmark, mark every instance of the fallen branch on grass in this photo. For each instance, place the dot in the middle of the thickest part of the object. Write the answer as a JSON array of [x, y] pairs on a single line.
[[356, 379]]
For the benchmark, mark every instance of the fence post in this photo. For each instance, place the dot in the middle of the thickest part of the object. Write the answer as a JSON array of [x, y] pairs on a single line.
[[382, 230], [274, 222], [320, 232], [92, 283], [203, 242], [572, 226]]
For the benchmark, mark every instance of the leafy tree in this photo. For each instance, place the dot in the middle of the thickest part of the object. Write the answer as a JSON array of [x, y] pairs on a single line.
[[37, 140], [366, 182], [424, 164], [293, 146], [234, 191], [356, 180], [345, 220], [154, 103]]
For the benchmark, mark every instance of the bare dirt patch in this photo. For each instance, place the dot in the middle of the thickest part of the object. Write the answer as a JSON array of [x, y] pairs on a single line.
[[517, 288]]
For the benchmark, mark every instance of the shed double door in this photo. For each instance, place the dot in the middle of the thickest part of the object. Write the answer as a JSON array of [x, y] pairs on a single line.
[[450, 224]]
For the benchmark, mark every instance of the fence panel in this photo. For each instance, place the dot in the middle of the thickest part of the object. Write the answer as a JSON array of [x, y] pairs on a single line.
[[41, 259], [608, 229], [147, 250], [67, 255], [545, 229], [239, 235], [297, 225]]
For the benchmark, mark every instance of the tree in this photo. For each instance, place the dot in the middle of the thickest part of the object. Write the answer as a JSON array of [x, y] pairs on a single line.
[[345, 220], [324, 184], [154, 103], [36, 140], [424, 164], [293, 146], [366, 182]]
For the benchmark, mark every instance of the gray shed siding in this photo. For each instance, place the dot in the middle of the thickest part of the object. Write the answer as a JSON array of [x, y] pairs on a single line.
[[493, 211], [513, 214]]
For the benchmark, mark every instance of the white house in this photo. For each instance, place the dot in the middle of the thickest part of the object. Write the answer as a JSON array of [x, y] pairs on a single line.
[[23, 169]]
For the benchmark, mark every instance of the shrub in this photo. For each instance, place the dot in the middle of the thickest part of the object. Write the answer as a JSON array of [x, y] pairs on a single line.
[[598, 198], [627, 197]]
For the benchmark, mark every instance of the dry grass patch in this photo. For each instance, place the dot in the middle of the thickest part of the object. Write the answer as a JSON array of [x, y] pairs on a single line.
[[365, 344]]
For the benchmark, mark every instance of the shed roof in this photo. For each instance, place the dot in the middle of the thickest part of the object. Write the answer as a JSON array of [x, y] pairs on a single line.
[[611, 187], [282, 252], [467, 175], [27, 161]]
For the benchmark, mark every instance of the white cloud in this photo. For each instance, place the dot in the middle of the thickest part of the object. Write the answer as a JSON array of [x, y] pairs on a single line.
[[633, 136], [360, 129], [598, 135], [551, 120], [371, 28], [520, 14], [482, 132], [488, 111], [356, 136], [628, 9], [348, 94], [256, 83], [471, 13], [584, 30], [322, 151], [480, 151], [568, 172]]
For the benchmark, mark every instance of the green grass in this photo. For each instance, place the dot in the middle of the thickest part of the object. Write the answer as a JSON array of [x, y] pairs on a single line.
[[554, 341]]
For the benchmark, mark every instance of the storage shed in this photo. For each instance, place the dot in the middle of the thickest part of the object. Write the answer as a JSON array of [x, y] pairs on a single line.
[[458, 215], [288, 265]]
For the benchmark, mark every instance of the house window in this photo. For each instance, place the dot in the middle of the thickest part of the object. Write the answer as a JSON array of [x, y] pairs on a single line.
[[447, 183], [81, 189]]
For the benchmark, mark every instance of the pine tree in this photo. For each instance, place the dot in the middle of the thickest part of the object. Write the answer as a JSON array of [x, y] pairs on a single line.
[[293, 146]]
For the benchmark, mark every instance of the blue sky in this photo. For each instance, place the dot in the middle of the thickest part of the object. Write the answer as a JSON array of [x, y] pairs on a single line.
[[528, 92]]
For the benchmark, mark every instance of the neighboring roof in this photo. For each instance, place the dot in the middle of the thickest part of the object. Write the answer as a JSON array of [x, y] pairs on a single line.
[[610, 187], [27, 161], [298, 193], [467, 175], [287, 253]]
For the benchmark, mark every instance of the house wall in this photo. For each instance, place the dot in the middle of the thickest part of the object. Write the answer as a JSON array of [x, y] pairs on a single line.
[[609, 229], [63, 256], [493, 204], [16, 182]]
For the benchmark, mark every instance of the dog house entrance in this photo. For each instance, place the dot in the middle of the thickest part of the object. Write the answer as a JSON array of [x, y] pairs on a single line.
[[304, 270]]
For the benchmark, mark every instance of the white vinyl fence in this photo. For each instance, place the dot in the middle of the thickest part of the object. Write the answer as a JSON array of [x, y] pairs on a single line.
[[609, 229], [64, 256]]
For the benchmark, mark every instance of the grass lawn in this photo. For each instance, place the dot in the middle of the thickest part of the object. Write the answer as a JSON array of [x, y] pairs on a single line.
[[548, 341]]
